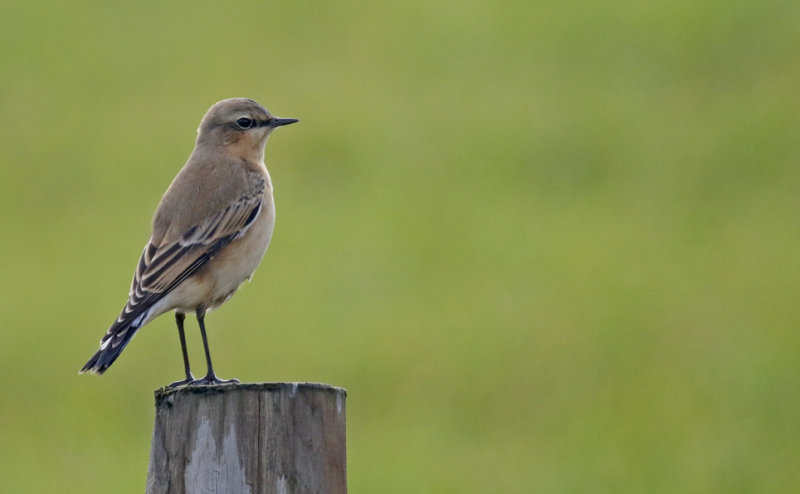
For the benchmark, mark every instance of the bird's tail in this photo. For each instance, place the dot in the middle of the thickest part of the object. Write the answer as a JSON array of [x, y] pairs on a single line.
[[115, 340]]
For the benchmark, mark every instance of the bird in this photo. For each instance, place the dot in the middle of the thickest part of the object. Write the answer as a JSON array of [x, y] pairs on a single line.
[[209, 232]]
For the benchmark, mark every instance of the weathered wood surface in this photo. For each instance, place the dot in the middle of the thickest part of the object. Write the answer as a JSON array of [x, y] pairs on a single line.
[[280, 438]]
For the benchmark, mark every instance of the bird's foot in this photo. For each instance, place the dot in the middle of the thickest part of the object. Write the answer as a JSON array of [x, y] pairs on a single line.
[[212, 380], [189, 380]]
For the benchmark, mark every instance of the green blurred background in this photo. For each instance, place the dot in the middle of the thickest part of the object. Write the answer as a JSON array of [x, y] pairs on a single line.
[[546, 246]]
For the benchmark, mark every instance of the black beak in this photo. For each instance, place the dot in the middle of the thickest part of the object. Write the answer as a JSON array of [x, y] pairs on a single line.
[[277, 122]]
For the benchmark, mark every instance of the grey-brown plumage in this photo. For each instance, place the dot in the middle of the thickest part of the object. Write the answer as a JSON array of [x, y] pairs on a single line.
[[210, 230]]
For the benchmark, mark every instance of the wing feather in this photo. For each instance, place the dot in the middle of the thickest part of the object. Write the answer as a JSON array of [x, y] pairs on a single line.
[[163, 267]]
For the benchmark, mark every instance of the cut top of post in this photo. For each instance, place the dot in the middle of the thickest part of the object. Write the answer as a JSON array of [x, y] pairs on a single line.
[[164, 393]]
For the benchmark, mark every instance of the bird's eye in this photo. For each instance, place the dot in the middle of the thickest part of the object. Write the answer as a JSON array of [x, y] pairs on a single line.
[[245, 123]]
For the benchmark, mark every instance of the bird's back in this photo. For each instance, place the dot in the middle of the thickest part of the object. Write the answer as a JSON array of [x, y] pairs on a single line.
[[207, 182]]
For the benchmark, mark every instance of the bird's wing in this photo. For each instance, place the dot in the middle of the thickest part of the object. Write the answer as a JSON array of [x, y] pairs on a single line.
[[163, 267]]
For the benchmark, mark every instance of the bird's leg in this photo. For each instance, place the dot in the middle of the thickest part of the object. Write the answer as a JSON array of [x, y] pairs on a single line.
[[179, 317], [210, 378]]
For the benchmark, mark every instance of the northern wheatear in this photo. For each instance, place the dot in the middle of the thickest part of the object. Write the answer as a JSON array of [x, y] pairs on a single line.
[[210, 231]]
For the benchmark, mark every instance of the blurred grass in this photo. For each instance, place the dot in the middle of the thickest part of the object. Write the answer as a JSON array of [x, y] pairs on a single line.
[[546, 247]]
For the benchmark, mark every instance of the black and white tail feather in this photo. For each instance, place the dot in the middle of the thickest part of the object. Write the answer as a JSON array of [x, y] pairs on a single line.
[[163, 267]]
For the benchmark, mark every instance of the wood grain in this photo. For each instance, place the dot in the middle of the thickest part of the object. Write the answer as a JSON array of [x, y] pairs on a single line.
[[253, 438]]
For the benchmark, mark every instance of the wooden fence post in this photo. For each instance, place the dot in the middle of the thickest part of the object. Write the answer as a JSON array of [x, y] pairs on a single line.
[[280, 438]]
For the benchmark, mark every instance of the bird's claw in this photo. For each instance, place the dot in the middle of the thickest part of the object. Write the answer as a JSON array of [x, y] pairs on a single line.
[[212, 380], [189, 380]]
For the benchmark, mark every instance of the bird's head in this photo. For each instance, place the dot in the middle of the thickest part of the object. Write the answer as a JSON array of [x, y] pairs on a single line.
[[239, 123]]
